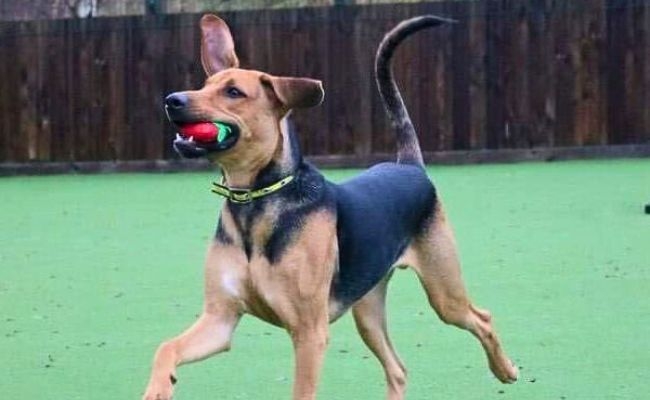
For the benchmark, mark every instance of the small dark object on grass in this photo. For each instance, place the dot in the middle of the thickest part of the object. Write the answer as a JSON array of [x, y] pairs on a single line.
[[647, 208]]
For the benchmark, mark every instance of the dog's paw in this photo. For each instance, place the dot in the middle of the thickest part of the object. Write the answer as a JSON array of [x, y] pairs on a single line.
[[506, 372], [159, 390]]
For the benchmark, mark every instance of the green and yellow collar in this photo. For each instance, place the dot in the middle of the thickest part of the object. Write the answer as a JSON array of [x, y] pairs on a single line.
[[243, 196]]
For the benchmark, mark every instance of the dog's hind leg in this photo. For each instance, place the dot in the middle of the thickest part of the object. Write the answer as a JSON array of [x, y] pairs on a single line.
[[433, 257], [370, 318]]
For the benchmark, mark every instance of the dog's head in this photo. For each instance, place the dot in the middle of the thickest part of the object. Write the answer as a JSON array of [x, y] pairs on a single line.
[[244, 106]]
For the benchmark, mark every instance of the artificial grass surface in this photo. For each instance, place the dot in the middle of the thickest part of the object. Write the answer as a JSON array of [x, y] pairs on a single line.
[[96, 270]]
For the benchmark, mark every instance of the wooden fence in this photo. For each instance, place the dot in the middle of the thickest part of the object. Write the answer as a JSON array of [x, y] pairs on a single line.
[[511, 74]]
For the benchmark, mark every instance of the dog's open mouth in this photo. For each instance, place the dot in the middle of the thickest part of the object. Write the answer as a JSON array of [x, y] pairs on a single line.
[[197, 139]]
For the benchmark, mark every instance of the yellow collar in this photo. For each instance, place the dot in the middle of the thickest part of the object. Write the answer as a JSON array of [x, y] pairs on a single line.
[[243, 196]]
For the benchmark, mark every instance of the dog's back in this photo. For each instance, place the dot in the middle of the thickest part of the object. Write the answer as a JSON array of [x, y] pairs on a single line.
[[378, 213]]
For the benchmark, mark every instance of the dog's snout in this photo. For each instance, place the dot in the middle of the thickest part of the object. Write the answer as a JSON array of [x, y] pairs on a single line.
[[176, 101]]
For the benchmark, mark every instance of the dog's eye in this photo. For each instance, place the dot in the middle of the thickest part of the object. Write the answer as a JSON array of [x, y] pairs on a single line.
[[234, 93]]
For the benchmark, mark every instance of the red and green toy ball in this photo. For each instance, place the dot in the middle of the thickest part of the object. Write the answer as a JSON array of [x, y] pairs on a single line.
[[206, 131]]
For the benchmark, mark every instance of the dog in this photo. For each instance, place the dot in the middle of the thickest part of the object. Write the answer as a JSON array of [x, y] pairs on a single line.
[[298, 251]]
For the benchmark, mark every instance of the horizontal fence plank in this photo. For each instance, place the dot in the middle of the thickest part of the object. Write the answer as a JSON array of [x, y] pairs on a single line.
[[511, 74]]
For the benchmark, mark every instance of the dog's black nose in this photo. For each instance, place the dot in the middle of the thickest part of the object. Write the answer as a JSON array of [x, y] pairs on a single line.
[[176, 101]]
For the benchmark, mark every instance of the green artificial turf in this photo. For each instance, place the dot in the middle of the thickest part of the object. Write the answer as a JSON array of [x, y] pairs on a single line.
[[96, 270]]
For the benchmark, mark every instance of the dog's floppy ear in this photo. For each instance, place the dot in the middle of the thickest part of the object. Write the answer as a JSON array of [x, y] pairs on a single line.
[[296, 92], [217, 46]]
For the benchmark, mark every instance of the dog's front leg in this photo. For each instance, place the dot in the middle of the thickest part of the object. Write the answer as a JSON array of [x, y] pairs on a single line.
[[208, 336], [310, 343], [212, 332], [301, 284]]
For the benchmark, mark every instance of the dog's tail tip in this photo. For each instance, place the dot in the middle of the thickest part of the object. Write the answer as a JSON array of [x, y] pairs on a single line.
[[446, 20], [411, 25], [431, 17]]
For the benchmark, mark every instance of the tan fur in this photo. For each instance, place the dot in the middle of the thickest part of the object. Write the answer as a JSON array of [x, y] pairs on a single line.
[[294, 292], [257, 116], [230, 228], [432, 255], [370, 317], [297, 290], [434, 258], [212, 332]]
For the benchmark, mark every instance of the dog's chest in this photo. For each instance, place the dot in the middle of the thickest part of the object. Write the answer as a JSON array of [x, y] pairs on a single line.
[[279, 266], [272, 292]]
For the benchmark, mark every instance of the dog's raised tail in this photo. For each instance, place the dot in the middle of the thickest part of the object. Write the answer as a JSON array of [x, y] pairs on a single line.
[[408, 147]]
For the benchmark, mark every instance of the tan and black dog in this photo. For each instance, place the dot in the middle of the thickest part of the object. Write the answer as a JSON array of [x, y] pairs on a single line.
[[298, 251]]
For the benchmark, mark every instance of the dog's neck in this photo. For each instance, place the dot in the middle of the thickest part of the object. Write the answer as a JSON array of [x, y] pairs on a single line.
[[284, 162]]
